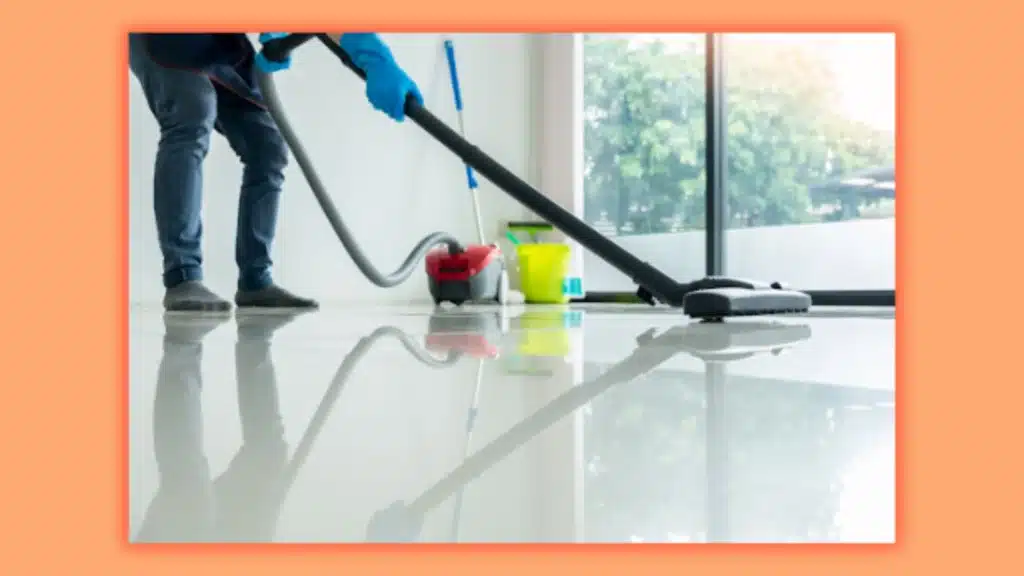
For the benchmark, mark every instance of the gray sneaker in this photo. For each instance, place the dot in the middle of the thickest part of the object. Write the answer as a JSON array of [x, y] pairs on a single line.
[[273, 296], [194, 297]]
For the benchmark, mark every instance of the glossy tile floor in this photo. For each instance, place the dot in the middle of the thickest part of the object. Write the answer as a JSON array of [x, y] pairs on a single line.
[[549, 424]]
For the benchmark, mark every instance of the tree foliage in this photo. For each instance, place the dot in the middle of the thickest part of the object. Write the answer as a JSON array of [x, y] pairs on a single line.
[[645, 135]]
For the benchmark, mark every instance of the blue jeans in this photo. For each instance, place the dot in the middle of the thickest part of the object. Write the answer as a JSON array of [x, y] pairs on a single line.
[[189, 107]]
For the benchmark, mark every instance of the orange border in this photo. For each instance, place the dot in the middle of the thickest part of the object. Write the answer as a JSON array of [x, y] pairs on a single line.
[[65, 220]]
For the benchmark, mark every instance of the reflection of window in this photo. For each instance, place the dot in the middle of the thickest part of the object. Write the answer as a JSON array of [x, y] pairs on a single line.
[[796, 456], [644, 448]]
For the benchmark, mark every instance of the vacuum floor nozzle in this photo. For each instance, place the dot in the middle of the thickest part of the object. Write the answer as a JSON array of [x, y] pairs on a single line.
[[717, 303]]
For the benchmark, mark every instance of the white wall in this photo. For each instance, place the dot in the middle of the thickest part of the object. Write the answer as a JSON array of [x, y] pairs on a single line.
[[392, 183]]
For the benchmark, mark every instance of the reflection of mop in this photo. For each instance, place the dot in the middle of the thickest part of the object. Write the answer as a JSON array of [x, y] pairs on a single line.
[[511, 296], [471, 335], [470, 425]]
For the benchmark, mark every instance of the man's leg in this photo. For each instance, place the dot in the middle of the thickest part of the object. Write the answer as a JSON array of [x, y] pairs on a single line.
[[259, 145], [185, 107]]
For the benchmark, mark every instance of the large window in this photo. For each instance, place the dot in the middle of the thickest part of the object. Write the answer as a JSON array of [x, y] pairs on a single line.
[[644, 138], [803, 138], [809, 137]]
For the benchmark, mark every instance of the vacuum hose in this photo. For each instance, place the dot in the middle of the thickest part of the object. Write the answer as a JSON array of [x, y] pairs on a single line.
[[273, 101]]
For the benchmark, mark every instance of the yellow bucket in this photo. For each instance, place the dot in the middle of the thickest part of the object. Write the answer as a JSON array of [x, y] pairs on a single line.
[[542, 272]]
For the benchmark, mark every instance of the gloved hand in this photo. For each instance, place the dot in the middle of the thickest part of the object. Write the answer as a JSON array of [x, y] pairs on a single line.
[[269, 66], [387, 85]]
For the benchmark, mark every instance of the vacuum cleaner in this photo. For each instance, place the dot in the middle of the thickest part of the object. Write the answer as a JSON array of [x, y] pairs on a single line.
[[460, 273]]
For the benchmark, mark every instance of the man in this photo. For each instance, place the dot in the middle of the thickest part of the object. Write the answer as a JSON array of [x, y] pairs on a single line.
[[196, 84]]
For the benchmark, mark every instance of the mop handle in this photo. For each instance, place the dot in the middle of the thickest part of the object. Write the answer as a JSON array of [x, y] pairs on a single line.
[[453, 74]]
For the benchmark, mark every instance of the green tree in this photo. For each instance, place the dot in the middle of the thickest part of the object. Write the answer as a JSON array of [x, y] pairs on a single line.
[[645, 135]]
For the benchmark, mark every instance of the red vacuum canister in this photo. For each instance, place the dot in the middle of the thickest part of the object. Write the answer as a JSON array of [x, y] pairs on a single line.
[[476, 274]]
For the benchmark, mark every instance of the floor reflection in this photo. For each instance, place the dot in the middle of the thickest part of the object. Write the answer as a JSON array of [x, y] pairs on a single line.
[[642, 449]]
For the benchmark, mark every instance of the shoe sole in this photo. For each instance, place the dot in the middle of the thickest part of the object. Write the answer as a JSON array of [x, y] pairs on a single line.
[[273, 307], [198, 307]]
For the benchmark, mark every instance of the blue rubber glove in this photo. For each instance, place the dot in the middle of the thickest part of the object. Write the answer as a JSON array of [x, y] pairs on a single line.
[[268, 66], [387, 85]]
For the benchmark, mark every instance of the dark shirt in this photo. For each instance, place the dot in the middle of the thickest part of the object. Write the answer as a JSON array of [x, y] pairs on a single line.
[[227, 59]]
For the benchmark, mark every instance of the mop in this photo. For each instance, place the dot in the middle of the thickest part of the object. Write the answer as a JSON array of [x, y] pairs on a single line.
[[511, 296]]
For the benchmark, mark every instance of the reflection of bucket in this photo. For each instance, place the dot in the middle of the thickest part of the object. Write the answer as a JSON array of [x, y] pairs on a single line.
[[542, 272], [546, 332]]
